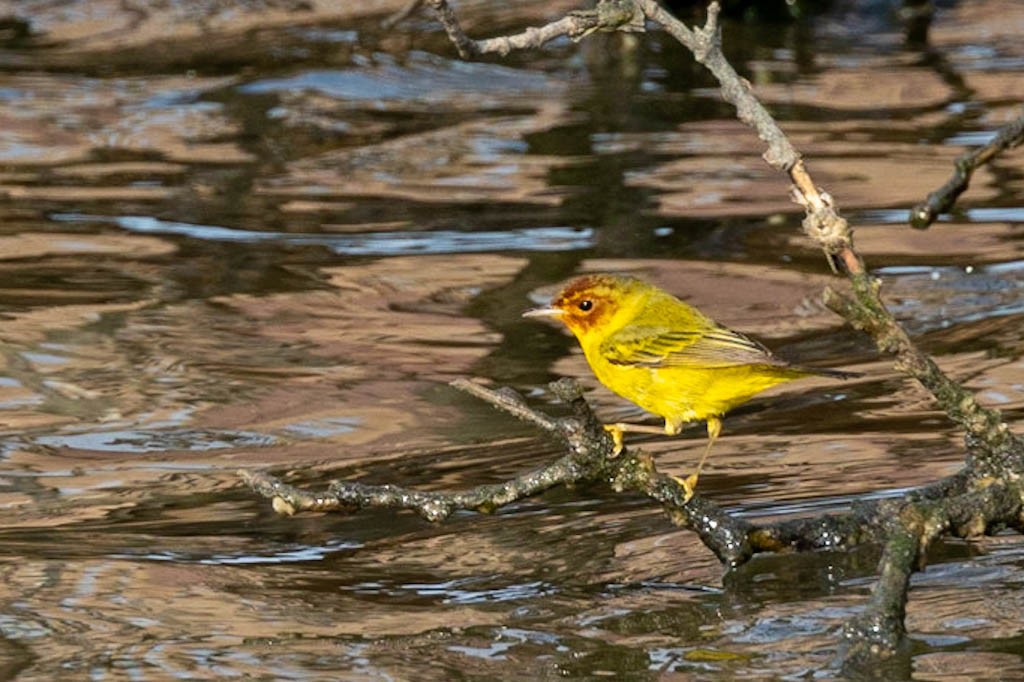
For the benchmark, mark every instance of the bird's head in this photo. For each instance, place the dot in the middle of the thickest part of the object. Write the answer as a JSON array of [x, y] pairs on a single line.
[[590, 302]]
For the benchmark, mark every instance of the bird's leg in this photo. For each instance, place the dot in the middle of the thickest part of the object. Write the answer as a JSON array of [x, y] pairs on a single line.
[[616, 430], [690, 482]]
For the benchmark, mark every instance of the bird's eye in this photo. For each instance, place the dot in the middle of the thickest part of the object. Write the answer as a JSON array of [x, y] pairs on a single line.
[[586, 305]]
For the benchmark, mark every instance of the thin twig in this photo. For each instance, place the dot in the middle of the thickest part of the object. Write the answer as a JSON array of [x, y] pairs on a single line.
[[509, 401], [609, 15], [433, 506], [941, 200]]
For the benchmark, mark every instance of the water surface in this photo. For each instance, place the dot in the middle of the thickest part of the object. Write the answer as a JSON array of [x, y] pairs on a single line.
[[271, 242]]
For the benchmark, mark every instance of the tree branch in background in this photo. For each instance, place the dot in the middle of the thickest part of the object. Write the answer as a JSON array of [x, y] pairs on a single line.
[[610, 15], [941, 200], [984, 497]]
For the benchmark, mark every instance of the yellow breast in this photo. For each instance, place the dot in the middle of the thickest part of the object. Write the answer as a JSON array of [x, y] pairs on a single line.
[[684, 394]]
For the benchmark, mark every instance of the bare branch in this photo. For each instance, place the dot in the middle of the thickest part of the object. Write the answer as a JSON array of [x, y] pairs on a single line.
[[350, 496], [941, 200], [610, 15], [509, 401], [987, 431], [287, 499], [878, 631], [590, 458]]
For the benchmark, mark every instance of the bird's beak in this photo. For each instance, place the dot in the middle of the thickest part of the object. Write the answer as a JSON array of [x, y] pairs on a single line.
[[546, 311]]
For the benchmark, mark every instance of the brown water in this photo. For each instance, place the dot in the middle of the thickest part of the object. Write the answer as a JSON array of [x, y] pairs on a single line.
[[267, 235]]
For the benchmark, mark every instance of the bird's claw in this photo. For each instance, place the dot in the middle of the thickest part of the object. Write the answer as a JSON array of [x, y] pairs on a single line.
[[616, 433], [688, 484]]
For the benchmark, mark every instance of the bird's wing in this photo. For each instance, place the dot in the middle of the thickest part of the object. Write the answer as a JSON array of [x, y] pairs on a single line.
[[647, 346]]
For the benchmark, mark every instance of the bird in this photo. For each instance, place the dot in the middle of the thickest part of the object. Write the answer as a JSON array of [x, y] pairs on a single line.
[[666, 356]]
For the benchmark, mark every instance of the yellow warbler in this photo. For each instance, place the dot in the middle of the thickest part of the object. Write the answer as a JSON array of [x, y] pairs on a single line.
[[666, 356]]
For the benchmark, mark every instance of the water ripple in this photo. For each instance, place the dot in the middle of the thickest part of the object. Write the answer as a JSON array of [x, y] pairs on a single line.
[[366, 244]]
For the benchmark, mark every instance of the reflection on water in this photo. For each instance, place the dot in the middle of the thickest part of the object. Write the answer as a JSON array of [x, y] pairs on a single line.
[[367, 243], [301, 553], [419, 77], [273, 244], [154, 440]]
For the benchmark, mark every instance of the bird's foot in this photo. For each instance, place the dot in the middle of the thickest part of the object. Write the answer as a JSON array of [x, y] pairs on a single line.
[[688, 484], [616, 433]]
